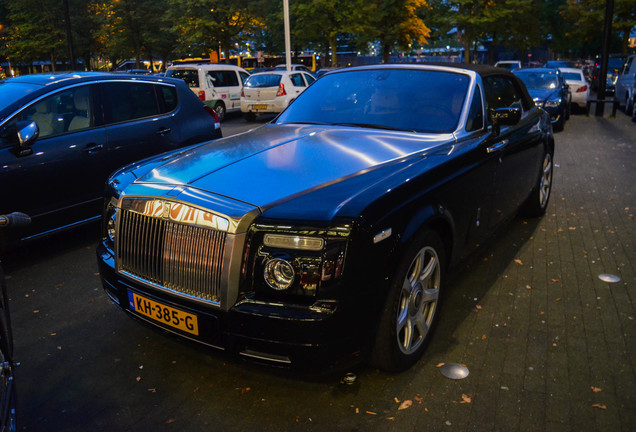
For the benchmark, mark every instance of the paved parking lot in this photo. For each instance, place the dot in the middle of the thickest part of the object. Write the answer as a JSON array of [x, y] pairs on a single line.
[[549, 345]]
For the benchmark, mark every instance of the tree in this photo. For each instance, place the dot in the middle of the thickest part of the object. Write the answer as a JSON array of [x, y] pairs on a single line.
[[396, 23], [213, 25], [35, 32]]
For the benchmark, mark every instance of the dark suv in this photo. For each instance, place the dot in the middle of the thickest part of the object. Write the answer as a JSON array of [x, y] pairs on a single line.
[[61, 135]]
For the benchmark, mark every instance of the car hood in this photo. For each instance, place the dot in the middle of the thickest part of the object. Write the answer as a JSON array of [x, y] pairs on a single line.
[[541, 93], [276, 163]]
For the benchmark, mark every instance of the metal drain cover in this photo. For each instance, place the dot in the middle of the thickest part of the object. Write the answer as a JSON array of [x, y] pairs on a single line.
[[454, 371], [609, 278]]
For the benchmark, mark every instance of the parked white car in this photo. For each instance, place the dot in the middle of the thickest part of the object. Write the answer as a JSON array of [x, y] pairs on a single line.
[[272, 92], [509, 64], [217, 85], [625, 85], [579, 87]]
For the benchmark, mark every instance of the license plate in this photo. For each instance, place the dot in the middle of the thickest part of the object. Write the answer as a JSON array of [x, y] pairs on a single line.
[[259, 106], [164, 314]]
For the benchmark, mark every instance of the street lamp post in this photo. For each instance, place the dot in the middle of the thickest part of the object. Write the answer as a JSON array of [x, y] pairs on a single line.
[[287, 38]]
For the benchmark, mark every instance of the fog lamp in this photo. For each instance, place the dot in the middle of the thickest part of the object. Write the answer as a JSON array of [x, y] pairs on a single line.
[[279, 274]]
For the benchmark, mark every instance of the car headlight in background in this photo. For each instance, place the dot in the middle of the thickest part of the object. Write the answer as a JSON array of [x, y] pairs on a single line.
[[553, 103]]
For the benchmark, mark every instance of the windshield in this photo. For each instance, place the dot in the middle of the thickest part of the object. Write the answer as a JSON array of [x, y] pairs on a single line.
[[190, 76], [539, 79], [402, 99], [265, 80], [10, 92]]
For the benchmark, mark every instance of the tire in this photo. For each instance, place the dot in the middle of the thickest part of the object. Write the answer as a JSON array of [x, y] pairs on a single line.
[[249, 116], [219, 108], [412, 306], [537, 202]]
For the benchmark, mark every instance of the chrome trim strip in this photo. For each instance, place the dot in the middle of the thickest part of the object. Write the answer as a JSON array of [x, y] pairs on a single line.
[[264, 356], [383, 235]]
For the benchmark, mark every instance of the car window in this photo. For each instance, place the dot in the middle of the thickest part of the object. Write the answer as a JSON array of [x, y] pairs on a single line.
[[11, 92], [190, 76], [169, 96], [65, 111], [310, 79], [127, 101], [222, 78], [262, 81], [475, 119], [244, 76], [501, 92], [297, 80], [573, 76], [403, 99]]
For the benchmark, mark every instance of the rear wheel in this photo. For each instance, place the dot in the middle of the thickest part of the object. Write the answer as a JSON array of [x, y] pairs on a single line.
[[537, 202], [412, 305], [219, 108]]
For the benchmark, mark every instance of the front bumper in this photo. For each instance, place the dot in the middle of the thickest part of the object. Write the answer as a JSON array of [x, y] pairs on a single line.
[[290, 336]]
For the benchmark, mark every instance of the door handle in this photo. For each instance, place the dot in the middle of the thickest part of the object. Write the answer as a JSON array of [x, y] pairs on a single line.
[[499, 145], [164, 131], [92, 148]]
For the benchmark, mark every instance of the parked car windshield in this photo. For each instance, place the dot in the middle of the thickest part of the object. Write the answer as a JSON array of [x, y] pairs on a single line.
[[400, 99], [538, 78], [264, 80], [11, 92]]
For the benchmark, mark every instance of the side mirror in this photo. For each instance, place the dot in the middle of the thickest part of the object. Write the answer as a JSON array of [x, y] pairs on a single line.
[[504, 116], [28, 132]]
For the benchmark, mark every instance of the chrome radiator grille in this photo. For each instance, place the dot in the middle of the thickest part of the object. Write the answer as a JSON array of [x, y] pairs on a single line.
[[184, 258]]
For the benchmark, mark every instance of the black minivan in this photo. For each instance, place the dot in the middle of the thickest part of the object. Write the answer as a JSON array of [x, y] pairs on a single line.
[[61, 135]]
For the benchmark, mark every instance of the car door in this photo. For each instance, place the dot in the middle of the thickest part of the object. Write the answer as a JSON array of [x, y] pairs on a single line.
[[298, 83], [136, 125], [518, 148], [59, 179], [226, 85]]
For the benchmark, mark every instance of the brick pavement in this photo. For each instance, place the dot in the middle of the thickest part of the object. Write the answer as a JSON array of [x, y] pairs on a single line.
[[549, 346]]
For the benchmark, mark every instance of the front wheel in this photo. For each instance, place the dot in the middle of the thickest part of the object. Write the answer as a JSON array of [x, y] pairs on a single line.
[[537, 202], [412, 305]]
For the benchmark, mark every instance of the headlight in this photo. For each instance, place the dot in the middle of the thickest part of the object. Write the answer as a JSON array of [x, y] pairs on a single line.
[[279, 274], [110, 222], [553, 103], [293, 242], [291, 261]]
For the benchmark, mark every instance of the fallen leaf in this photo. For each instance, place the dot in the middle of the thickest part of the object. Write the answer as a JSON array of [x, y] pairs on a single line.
[[555, 280], [483, 337], [440, 365], [518, 261], [406, 404], [357, 410], [169, 421], [152, 390], [60, 285], [599, 406], [478, 307], [36, 311], [396, 400], [572, 228], [528, 287], [390, 418], [418, 399], [596, 389], [196, 390], [371, 412], [466, 399], [138, 378], [558, 300]]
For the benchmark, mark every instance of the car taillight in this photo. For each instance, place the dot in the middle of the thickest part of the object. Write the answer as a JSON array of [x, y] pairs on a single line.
[[281, 90], [202, 95], [582, 89], [217, 121], [242, 92]]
